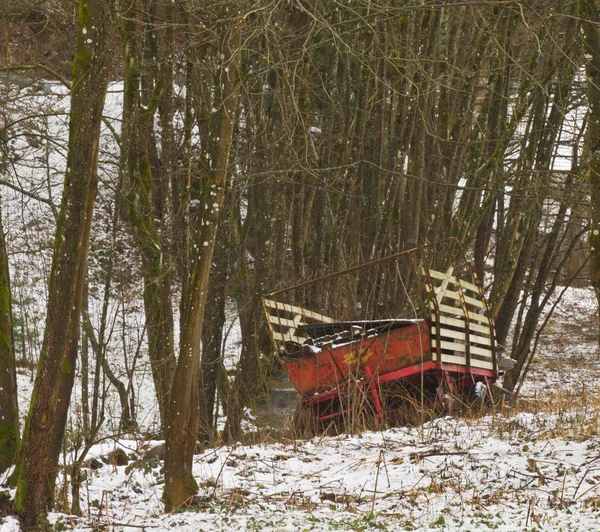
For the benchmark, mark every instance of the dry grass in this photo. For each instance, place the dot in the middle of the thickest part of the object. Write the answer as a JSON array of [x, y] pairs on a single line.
[[569, 414]]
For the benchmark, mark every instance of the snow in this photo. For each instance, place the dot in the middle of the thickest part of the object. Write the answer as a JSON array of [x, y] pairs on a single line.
[[496, 472], [535, 466]]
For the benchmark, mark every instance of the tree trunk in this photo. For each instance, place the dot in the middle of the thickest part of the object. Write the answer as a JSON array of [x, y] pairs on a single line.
[[146, 198], [212, 336], [9, 414], [182, 426], [588, 11], [39, 451]]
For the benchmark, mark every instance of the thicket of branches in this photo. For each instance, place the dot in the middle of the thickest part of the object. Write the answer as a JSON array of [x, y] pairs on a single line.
[[315, 135]]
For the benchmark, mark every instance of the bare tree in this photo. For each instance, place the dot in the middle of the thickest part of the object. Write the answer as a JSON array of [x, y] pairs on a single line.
[[9, 414], [44, 429], [588, 11], [182, 428]]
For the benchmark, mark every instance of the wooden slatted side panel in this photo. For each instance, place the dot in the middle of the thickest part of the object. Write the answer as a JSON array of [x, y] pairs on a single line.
[[285, 320], [463, 331]]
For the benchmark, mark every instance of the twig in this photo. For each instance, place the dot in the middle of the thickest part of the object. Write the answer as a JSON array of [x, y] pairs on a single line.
[[130, 525], [386, 469], [562, 491], [40, 66], [580, 482], [588, 490], [420, 456], [376, 480]]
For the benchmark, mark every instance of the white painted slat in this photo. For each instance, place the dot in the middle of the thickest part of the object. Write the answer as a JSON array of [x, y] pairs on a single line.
[[460, 322], [462, 361], [298, 310], [438, 275], [281, 306], [441, 290], [468, 300], [456, 311], [481, 351], [484, 364], [282, 322], [453, 359], [475, 302], [453, 346], [459, 335], [288, 337], [465, 284], [470, 286]]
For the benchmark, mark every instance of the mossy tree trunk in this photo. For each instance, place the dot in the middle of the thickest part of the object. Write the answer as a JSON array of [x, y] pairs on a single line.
[[44, 429], [182, 428], [590, 20], [9, 415], [212, 331], [147, 88]]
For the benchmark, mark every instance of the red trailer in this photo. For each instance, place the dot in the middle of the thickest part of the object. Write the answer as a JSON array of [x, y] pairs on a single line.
[[391, 328]]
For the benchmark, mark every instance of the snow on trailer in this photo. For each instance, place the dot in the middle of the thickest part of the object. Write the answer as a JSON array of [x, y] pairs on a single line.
[[393, 333]]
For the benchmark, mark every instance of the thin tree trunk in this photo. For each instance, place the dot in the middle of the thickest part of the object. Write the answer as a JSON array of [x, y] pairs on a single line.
[[588, 11], [9, 414], [146, 200], [182, 426], [212, 336]]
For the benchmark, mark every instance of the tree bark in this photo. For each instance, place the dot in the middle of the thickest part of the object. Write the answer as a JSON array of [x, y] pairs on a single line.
[[590, 19], [9, 414], [38, 454], [182, 426], [212, 335], [145, 192]]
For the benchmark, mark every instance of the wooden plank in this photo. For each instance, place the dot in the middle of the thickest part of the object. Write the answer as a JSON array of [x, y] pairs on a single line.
[[465, 284], [454, 346], [288, 337], [483, 364], [475, 302], [450, 346], [460, 322], [454, 359], [456, 311], [481, 351], [470, 286], [462, 361], [439, 275], [283, 322], [298, 310], [441, 290], [459, 335], [469, 300]]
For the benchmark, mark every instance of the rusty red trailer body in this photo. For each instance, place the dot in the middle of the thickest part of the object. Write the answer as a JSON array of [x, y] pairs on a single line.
[[381, 354], [447, 347]]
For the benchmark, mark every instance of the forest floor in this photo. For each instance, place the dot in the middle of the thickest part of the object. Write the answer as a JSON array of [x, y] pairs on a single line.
[[535, 466]]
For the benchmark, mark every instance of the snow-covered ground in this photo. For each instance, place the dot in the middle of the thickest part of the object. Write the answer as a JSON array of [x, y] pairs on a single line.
[[536, 466]]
